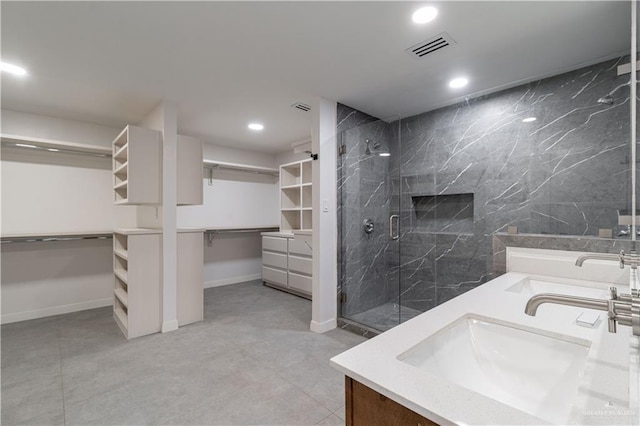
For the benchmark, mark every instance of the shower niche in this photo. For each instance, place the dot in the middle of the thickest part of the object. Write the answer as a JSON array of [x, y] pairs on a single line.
[[447, 213]]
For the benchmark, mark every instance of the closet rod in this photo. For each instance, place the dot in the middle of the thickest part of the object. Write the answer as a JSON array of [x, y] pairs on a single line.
[[58, 149], [45, 239], [211, 233], [241, 230]]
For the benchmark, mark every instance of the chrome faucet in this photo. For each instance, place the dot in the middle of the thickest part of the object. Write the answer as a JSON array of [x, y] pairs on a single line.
[[623, 309], [620, 309], [632, 259]]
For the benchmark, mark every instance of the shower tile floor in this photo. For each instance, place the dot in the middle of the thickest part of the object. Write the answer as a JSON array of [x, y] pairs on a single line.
[[252, 360], [385, 317]]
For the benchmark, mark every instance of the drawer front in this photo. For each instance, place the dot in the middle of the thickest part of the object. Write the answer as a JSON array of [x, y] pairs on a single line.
[[300, 246], [300, 282], [274, 244], [300, 264], [274, 259], [274, 276]]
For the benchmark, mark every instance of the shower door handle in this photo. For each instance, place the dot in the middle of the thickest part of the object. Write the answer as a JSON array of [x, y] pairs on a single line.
[[391, 234]]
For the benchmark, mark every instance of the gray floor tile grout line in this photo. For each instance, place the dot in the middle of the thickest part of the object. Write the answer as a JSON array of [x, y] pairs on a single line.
[[306, 393], [59, 340]]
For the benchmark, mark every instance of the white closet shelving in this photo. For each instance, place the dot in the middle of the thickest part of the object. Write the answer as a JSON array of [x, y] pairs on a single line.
[[51, 144], [240, 167], [136, 268], [137, 166], [296, 193]]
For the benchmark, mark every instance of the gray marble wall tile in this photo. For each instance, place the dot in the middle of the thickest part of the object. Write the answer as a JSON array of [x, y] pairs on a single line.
[[566, 173], [588, 244]]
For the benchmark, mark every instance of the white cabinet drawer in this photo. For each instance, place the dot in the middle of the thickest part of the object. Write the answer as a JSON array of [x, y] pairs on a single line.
[[274, 259], [274, 244], [300, 246], [300, 264], [300, 282], [274, 276]]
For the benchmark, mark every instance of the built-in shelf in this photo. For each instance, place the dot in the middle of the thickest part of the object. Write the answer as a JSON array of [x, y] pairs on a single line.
[[122, 274], [122, 169], [240, 167], [46, 144], [296, 195], [137, 165], [121, 254], [121, 294], [136, 269], [121, 319], [121, 154]]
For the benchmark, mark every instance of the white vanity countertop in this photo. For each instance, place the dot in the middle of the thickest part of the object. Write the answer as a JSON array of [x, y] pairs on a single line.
[[603, 393]]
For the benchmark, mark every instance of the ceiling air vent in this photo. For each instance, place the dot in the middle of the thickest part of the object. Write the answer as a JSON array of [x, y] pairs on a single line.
[[301, 106], [434, 44]]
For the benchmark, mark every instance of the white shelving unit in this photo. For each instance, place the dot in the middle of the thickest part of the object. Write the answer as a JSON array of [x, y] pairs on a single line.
[[296, 191], [136, 270], [240, 167], [190, 153], [137, 166], [190, 276]]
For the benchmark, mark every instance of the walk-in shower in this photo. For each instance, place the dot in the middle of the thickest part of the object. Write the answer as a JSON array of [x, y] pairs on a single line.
[[416, 227]]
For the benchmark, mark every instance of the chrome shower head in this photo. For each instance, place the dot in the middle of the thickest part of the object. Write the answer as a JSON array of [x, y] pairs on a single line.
[[375, 146]]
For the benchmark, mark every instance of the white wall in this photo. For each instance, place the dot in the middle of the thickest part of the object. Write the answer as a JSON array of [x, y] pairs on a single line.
[[234, 199], [231, 155], [289, 157], [53, 192], [50, 278], [41, 126]]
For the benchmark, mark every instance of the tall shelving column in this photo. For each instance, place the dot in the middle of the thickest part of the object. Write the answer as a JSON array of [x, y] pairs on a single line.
[[136, 267], [137, 167], [137, 252], [295, 196]]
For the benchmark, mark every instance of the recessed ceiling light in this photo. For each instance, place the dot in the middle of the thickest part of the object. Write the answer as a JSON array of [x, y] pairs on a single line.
[[424, 15], [384, 154], [256, 126], [53, 149], [13, 69], [529, 119], [457, 83], [24, 145]]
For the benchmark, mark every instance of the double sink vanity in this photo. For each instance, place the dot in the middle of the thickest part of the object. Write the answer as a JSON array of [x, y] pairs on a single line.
[[480, 359]]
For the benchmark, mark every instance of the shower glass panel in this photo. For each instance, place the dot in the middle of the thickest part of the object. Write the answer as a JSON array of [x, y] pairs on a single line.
[[369, 220]]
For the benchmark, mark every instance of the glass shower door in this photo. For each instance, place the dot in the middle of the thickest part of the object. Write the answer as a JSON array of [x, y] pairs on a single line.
[[369, 220]]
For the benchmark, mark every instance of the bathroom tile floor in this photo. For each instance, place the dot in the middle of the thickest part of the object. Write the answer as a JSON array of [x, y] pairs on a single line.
[[252, 360], [386, 316]]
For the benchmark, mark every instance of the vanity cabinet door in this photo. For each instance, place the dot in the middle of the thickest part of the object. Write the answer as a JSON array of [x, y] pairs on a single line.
[[366, 407]]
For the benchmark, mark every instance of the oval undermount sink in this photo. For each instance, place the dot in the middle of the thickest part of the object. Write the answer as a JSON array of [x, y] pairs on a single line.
[[532, 372], [530, 287]]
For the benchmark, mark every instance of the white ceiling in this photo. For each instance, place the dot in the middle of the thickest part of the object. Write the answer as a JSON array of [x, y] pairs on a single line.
[[227, 64]]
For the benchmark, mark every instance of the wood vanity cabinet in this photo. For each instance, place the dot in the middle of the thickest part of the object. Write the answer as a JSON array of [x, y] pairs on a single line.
[[366, 407]]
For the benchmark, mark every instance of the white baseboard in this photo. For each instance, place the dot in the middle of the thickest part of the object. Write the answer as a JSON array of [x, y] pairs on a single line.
[[323, 327], [169, 326], [55, 310], [232, 280]]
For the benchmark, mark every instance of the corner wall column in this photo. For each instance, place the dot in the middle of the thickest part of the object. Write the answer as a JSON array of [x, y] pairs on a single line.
[[165, 118], [325, 222]]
